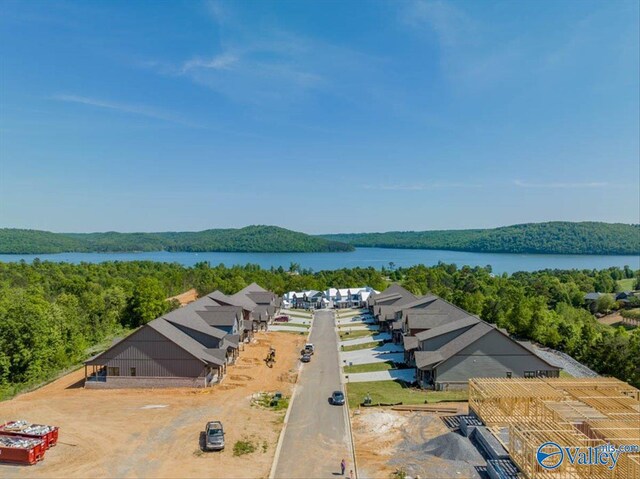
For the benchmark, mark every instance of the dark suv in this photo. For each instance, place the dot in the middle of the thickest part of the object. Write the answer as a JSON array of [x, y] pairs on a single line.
[[337, 398]]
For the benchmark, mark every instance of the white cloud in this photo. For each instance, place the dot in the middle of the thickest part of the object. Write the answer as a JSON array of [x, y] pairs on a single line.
[[125, 108], [423, 186], [219, 62], [451, 25], [589, 184]]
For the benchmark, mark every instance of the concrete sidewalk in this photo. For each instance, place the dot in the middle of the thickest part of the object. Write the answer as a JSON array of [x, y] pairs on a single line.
[[380, 358], [407, 375], [366, 339], [360, 327], [364, 356]]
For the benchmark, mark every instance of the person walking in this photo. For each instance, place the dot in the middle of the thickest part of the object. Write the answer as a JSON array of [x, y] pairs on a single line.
[[343, 466]]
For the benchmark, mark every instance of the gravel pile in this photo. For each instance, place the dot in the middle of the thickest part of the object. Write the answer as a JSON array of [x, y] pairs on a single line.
[[566, 362], [453, 447], [427, 450]]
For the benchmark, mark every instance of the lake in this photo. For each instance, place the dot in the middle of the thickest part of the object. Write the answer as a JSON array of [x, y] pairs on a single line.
[[361, 257]]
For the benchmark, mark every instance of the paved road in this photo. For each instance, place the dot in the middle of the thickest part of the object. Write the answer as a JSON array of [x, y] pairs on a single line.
[[316, 437]]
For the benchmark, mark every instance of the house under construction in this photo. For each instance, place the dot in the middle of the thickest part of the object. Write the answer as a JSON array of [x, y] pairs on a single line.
[[524, 414]]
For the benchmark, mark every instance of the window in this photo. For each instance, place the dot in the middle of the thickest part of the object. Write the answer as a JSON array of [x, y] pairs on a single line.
[[132, 371], [509, 374], [529, 374], [113, 371]]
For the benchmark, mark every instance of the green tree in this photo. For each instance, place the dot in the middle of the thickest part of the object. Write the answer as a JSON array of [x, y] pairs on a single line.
[[147, 302]]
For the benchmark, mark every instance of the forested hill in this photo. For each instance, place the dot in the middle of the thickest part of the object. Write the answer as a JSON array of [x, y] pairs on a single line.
[[550, 238], [268, 239]]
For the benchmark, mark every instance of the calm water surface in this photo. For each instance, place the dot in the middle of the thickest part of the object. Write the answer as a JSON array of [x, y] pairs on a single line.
[[361, 257]]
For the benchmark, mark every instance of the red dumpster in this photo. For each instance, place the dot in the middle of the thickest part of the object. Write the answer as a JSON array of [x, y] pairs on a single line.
[[21, 450], [48, 434]]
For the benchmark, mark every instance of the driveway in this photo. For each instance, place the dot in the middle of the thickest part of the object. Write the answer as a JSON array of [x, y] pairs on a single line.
[[366, 339], [377, 358], [363, 356], [407, 375], [316, 438]]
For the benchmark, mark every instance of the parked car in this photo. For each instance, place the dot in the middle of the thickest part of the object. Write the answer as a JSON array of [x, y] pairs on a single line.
[[305, 358], [281, 319], [308, 348], [337, 398], [214, 436]]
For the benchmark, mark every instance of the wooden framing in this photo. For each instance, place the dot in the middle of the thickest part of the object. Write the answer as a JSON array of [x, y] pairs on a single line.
[[572, 412]]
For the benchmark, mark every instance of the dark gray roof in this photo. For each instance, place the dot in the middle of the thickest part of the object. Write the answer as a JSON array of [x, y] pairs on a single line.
[[183, 340], [196, 323], [429, 298], [253, 288], [592, 296], [220, 318], [410, 343], [219, 354], [248, 324], [262, 297], [427, 358], [231, 341], [465, 339], [427, 320], [447, 328], [394, 288]]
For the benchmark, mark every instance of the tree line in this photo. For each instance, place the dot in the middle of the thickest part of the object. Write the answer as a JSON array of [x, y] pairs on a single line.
[[54, 315], [268, 239], [537, 238]]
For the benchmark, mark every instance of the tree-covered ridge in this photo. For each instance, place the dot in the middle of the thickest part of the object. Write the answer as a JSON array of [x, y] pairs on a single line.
[[254, 239], [52, 315], [537, 238]]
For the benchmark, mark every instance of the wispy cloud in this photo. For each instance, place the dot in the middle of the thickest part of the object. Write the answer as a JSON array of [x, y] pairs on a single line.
[[134, 109], [450, 24], [423, 186], [588, 184], [268, 65], [219, 62]]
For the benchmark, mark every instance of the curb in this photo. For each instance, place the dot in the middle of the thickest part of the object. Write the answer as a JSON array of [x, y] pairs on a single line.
[[276, 456], [347, 413]]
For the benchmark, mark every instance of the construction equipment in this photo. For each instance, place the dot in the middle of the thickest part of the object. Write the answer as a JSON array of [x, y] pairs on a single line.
[[271, 357]]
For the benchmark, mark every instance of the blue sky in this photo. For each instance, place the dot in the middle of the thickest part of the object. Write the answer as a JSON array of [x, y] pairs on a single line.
[[328, 116]]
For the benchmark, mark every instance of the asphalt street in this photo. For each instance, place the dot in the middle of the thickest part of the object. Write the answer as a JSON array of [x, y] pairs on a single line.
[[316, 436]]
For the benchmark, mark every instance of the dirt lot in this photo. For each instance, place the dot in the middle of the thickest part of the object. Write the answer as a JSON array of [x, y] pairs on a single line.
[[388, 440], [156, 433]]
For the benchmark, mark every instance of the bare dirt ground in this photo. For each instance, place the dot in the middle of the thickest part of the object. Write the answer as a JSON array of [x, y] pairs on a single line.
[[186, 297], [387, 441], [156, 433]]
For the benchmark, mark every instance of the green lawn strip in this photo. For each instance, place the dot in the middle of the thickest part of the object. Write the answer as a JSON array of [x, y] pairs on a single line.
[[356, 347], [626, 284], [346, 335], [368, 368], [564, 374], [295, 325], [391, 392]]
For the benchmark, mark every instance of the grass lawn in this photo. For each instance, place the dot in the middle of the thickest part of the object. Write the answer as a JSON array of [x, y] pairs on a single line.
[[626, 284], [564, 374], [398, 391], [356, 347], [296, 325], [368, 368], [344, 335]]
